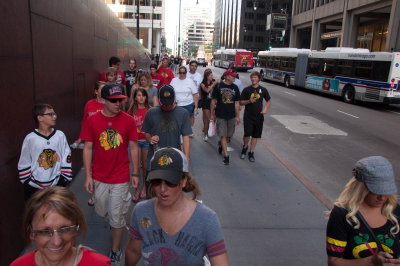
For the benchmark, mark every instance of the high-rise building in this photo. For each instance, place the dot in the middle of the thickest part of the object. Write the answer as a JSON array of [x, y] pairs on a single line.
[[252, 24], [372, 24], [151, 20], [197, 27]]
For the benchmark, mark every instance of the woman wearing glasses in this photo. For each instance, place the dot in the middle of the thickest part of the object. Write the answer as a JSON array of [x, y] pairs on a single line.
[[172, 226], [186, 92], [53, 220]]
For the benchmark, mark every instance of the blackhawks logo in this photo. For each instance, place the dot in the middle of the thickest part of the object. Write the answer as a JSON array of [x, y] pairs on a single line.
[[48, 158], [110, 139], [164, 160]]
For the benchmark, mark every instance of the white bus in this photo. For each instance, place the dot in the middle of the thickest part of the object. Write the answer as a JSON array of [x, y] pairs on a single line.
[[354, 74]]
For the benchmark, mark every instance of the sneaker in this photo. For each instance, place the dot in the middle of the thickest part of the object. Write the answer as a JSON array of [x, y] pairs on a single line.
[[219, 147], [243, 153], [115, 257], [205, 138], [226, 160], [251, 157]]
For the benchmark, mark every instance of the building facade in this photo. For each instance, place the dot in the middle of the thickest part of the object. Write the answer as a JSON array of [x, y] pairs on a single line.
[[252, 24], [371, 24], [151, 20]]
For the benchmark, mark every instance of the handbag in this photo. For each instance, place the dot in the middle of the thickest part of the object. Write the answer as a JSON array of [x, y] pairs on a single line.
[[211, 129]]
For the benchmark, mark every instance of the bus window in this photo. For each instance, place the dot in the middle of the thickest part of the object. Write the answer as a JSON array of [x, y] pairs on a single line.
[[363, 69], [328, 68], [292, 64], [380, 70], [270, 62], [277, 61], [284, 63], [345, 68], [313, 66], [263, 61]]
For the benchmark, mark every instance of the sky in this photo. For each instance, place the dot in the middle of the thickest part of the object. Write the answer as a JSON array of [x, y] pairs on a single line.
[[171, 21]]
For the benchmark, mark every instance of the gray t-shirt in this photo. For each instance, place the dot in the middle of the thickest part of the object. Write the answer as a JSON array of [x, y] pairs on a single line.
[[169, 126], [201, 235]]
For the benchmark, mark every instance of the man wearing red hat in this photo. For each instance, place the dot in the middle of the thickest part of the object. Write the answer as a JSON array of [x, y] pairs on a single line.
[[225, 110]]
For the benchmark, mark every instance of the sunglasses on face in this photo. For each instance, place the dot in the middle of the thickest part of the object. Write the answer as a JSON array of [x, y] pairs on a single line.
[[115, 100], [183, 73], [157, 182]]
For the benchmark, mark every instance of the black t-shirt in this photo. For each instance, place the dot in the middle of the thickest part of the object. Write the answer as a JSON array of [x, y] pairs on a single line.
[[205, 95], [259, 93], [226, 96], [176, 61], [343, 241], [130, 80]]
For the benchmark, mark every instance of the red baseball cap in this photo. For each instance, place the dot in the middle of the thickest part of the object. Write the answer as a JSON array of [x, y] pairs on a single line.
[[230, 72]]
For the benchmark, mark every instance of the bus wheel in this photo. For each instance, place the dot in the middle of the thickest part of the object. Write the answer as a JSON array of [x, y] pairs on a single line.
[[286, 81], [348, 94]]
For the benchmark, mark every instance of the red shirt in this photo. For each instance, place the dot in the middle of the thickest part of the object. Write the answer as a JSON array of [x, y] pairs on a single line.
[[166, 74], [110, 137], [91, 107], [120, 77], [88, 258], [139, 117], [157, 80]]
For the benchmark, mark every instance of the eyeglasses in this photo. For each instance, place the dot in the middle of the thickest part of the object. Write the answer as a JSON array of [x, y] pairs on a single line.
[[115, 100], [157, 182], [183, 73], [65, 232], [50, 114]]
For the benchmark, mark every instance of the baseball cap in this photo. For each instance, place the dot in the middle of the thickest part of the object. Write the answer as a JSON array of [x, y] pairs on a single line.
[[168, 164], [377, 174], [230, 72], [166, 94], [112, 91]]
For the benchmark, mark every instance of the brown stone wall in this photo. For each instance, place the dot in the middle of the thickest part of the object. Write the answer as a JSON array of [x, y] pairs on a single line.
[[50, 52]]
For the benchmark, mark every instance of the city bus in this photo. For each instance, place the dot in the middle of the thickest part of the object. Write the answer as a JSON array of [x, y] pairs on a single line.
[[353, 74], [240, 58]]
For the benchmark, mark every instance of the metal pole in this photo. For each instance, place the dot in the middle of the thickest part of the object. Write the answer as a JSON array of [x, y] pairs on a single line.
[[270, 27], [137, 19], [179, 31], [152, 24]]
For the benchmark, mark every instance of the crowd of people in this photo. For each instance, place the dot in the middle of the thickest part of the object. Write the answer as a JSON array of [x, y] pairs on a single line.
[[149, 116]]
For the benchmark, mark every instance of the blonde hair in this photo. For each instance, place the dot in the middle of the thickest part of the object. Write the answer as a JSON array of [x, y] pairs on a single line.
[[354, 194]]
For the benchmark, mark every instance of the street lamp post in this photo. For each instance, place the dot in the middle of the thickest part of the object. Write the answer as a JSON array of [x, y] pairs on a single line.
[[179, 30], [137, 19], [255, 6], [152, 26]]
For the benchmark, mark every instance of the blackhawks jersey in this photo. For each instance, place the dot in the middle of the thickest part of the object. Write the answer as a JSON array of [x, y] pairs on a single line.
[[44, 160]]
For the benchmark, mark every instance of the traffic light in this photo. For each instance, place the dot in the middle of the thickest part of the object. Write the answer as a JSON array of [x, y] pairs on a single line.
[[270, 47]]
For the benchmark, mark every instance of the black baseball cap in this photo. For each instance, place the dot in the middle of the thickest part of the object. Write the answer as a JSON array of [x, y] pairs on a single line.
[[166, 94], [168, 164], [113, 91]]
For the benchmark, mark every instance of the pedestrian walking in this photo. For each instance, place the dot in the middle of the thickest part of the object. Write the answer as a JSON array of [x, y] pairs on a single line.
[[165, 71], [171, 226], [225, 111], [207, 85], [53, 221], [145, 82], [110, 132], [115, 62], [130, 76], [45, 158], [186, 93], [156, 77], [138, 109], [197, 78], [253, 119], [363, 226]]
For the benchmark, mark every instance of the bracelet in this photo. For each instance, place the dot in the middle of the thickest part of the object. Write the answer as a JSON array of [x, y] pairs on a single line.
[[135, 175]]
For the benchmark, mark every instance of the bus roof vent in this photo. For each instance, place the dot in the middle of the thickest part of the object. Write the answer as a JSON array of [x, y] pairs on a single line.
[[345, 50]]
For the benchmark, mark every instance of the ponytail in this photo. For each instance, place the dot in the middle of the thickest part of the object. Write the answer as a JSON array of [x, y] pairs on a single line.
[[191, 186]]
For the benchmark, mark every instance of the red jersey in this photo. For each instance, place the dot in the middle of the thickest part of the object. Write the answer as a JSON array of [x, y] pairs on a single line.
[[157, 80], [89, 258], [166, 74], [139, 117], [120, 77], [91, 107], [110, 137]]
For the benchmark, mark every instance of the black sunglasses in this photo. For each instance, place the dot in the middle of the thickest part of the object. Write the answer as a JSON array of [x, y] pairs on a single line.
[[182, 73], [157, 182], [115, 100]]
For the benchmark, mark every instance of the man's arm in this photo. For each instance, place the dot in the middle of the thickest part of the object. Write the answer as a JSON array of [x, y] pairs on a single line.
[[237, 111], [265, 109], [87, 162], [134, 150], [186, 147]]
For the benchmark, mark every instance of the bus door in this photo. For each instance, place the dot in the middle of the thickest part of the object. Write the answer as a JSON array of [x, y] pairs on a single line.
[[301, 70]]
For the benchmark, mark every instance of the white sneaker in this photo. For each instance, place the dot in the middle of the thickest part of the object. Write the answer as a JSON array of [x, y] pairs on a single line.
[[205, 138]]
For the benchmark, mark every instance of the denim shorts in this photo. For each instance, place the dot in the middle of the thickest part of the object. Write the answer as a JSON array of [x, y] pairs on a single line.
[[143, 144], [189, 108]]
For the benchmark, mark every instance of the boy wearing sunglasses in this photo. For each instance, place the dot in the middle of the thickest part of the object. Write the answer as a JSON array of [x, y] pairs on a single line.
[[45, 155], [110, 132]]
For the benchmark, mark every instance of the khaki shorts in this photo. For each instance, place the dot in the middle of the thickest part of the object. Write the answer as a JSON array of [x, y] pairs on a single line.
[[225, 127], [112, 201]]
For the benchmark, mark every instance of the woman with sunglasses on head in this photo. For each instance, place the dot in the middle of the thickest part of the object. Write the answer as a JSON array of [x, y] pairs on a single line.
[[186, 92], [363, 228], [144, 81], [53, 220], [160, 227]]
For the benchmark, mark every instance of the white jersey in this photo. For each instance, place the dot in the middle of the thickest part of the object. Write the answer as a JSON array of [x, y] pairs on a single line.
[[197, 79], [44, 160]]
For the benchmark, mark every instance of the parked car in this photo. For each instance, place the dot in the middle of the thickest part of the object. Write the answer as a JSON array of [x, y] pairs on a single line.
[[202, 61]]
